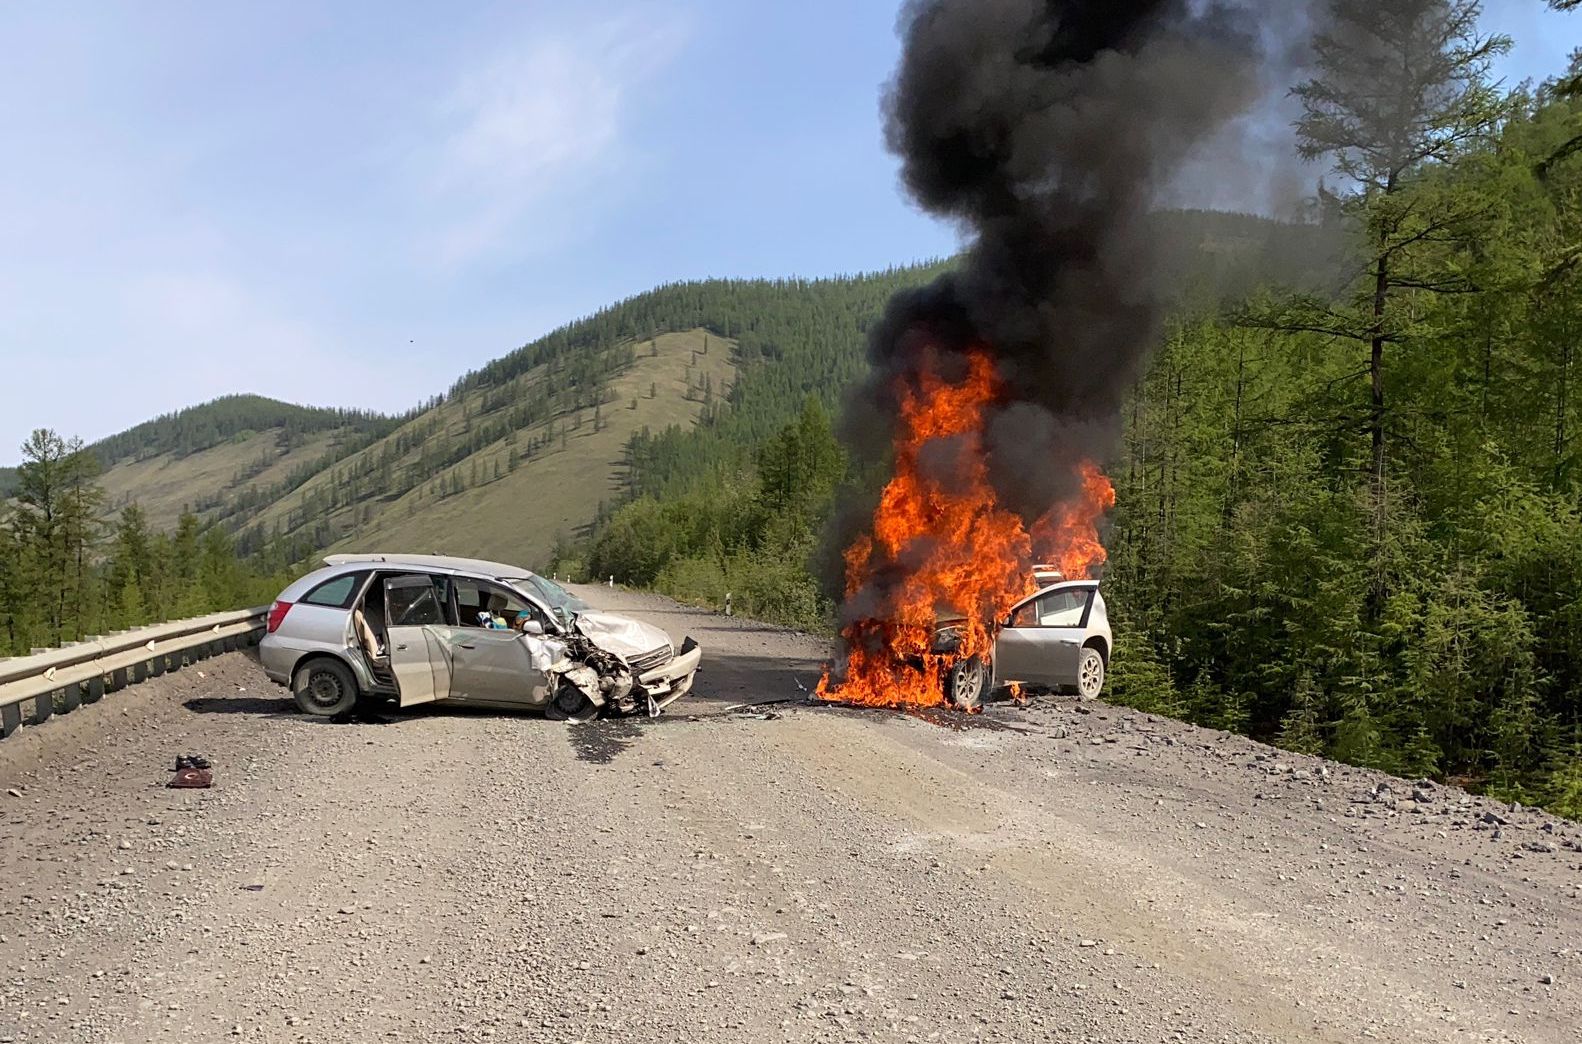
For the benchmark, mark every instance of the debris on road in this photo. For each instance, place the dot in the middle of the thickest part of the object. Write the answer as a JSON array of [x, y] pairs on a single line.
[[193, 772]]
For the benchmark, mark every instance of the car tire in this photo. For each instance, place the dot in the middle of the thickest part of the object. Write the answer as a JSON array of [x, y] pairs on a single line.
[[571, 704], [967, 684], [324, 688], [1090, 673]]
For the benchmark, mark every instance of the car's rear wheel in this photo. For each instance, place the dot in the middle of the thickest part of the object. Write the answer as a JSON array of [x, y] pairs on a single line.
[[571, 704], [966, 684], [324, 688], [1090, 674]]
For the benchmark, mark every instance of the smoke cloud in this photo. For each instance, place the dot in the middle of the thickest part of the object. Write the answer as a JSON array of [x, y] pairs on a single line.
[[1049, 130]]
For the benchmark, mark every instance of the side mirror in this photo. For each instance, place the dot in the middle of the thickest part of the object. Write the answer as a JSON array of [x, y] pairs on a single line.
[[533, 627]]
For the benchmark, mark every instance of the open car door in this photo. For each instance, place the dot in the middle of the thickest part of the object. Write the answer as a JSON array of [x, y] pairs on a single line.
[[419, 658], [1041, 644]]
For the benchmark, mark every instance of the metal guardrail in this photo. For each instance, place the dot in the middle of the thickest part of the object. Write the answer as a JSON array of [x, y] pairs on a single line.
[[61, 680]]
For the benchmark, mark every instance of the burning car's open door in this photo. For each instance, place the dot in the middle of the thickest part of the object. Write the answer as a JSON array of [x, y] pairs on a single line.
[[1041, 644], [419, 657]]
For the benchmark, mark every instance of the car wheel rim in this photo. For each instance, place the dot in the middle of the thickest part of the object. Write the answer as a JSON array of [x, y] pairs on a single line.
[[1092, 675], [575, 706], [969, 683], [324, 689]]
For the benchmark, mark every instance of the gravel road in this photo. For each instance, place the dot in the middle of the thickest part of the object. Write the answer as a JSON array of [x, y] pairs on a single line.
[[1059, 872]]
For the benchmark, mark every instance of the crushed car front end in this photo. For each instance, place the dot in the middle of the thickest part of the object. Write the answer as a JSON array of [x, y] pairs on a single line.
[[623, 665]]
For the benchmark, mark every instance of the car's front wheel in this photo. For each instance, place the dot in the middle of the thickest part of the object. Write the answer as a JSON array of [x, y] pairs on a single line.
[[571, 704], [1090, 673], [324, 688], [967, 683]]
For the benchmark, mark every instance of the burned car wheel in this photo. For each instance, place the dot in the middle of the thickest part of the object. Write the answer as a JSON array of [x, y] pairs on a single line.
[[1090, 673], [324, 688], [570, 704], [966, 684]]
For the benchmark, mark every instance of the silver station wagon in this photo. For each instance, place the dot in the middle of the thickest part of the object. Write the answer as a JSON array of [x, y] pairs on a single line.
[[428, 629]]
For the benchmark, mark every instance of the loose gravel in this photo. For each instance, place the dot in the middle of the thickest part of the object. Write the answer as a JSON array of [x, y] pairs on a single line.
[[780, 872]]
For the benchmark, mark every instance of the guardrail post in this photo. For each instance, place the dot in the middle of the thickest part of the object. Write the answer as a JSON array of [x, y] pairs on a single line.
[[43, 707], [156, 666], [93, 689], [119, 679], [71, 697], [10, 719]]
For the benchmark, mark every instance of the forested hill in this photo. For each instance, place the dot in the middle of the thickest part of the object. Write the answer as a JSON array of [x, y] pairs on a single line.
[[231, 417], [627, 400], [252, 427]]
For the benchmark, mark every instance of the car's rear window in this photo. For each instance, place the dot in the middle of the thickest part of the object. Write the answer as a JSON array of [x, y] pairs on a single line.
[[336, 592]]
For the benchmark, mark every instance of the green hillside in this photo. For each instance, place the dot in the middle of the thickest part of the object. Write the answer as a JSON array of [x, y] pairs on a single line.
[[652, 395], [229, 419], [196, 458]]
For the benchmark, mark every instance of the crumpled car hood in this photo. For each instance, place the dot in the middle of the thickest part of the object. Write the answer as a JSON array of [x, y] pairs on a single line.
[[620, 635]]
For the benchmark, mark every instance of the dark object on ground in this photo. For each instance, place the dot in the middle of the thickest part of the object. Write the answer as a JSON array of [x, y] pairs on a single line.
[[192, 779], [193, 772]]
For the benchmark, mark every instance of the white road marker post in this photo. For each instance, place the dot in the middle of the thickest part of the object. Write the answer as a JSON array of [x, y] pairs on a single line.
[[727, 603]]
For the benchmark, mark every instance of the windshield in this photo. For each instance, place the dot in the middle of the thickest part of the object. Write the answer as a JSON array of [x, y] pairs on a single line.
[[558, 597]]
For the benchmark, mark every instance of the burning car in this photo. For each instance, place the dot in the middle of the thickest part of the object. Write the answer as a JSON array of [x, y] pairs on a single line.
[[1058, 638], [428, 629]]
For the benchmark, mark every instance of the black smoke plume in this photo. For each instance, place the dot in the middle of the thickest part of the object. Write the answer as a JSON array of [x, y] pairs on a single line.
[[1048, 130]]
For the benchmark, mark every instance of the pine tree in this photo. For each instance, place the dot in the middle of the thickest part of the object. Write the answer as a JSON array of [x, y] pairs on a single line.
[[1402, 88]]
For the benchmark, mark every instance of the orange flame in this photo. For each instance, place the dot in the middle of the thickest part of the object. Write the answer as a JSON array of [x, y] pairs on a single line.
[[950, 547]]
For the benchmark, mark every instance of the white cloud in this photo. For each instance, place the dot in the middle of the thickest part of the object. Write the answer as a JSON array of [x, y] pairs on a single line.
[[539, 120]]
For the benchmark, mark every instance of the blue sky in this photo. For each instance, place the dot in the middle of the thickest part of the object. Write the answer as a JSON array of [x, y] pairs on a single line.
[[354, 203]]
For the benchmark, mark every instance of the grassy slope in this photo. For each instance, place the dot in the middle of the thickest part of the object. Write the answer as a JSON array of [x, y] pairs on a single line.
[[166, 484], [517, 517]]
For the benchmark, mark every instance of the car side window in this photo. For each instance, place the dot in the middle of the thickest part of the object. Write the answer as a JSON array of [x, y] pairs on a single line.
[[1025, 616], [1063, 608], [413, 605], [337, 592], [442, 593], [477, 601], [1055, 609]]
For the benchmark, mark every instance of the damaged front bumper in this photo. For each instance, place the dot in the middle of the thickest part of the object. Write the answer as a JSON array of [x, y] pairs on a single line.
[[606, 679], [664, 685]]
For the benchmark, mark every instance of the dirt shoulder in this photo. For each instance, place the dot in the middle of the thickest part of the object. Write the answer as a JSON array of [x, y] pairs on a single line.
[[784, 872]]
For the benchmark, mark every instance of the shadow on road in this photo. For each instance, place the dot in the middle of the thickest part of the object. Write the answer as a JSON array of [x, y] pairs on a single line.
[[259, 705]]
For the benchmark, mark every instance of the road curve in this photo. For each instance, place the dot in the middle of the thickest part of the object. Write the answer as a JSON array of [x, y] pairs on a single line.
[[792, 873]]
